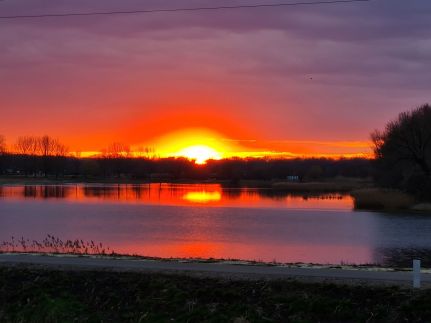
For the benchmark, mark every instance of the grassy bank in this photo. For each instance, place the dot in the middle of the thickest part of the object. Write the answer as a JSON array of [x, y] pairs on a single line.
[[382, 199], [42, 295]]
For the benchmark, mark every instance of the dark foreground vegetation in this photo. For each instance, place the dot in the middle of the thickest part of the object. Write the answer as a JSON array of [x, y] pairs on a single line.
[[42, 295], [402, 164], [403, 153]]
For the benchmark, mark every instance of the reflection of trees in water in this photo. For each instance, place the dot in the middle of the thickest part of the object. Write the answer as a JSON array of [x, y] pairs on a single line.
[[101, 191], [268, 193], [154, 191], [399, 237], [30, 191], [131, 191], [139, 191], [281, 194], [402, 257], [47, 191], [116, 192], [232, 193]]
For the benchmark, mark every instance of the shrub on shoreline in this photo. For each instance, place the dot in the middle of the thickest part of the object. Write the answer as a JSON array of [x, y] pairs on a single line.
[[382, 199]]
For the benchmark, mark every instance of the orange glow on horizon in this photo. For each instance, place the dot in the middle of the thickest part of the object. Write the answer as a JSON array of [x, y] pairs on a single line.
[[203, 144], [199, 153], [199, 144], [241, 155]]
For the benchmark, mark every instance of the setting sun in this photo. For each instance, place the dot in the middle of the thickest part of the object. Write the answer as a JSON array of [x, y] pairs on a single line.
[[198, 144], [199, 153]]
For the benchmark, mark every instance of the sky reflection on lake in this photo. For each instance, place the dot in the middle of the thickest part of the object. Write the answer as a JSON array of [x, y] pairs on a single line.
[[176, 194], [208, 221]]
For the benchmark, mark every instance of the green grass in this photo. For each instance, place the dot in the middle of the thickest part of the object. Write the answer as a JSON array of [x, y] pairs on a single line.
[[42, 295]]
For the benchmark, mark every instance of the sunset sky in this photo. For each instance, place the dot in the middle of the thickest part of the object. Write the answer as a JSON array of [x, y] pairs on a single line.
[[300, 80]]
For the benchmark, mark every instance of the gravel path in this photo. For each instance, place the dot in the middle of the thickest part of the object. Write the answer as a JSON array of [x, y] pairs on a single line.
[[403, 278]]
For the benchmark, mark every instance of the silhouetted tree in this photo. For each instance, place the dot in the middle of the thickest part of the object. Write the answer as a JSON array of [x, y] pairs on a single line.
[[403, 150], [46, 146], [2, 153], [117, 150], [145, 152], [53, 153], [315, 172], [2, 145], [89, 167], [26, 145], [114, 159]]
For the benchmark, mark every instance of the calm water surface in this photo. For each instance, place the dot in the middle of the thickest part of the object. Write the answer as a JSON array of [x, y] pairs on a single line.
[[207, 220]]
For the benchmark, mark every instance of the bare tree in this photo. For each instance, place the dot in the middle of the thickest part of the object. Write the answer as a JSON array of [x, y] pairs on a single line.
[[59, 149], [150, 152], [117, 150], [146, 152], [48, 146], [26, 145], [2, 145]]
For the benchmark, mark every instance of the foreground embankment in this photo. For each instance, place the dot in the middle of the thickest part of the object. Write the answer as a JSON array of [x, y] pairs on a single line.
[[63, 294], [234, 269]]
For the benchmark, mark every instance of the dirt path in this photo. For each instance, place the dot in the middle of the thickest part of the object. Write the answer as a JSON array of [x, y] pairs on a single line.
[[403, 278]]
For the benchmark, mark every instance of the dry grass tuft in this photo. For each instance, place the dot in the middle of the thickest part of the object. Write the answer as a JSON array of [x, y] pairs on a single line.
[[378, 198]]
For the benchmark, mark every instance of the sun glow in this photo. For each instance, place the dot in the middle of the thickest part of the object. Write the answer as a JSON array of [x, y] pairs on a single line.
[[199, 153], [203, 144], [198, 144]]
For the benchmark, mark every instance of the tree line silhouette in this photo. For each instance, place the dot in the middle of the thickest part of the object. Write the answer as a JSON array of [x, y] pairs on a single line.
[[47, 157], [402, 160]]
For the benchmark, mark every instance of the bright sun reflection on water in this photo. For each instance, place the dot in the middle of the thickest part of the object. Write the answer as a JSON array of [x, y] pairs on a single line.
[[202, 197]]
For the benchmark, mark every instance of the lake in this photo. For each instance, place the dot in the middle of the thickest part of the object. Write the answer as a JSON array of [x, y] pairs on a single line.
[[210, 221]]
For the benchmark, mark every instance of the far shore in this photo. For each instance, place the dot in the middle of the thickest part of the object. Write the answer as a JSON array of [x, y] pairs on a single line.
[[324, 185]]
